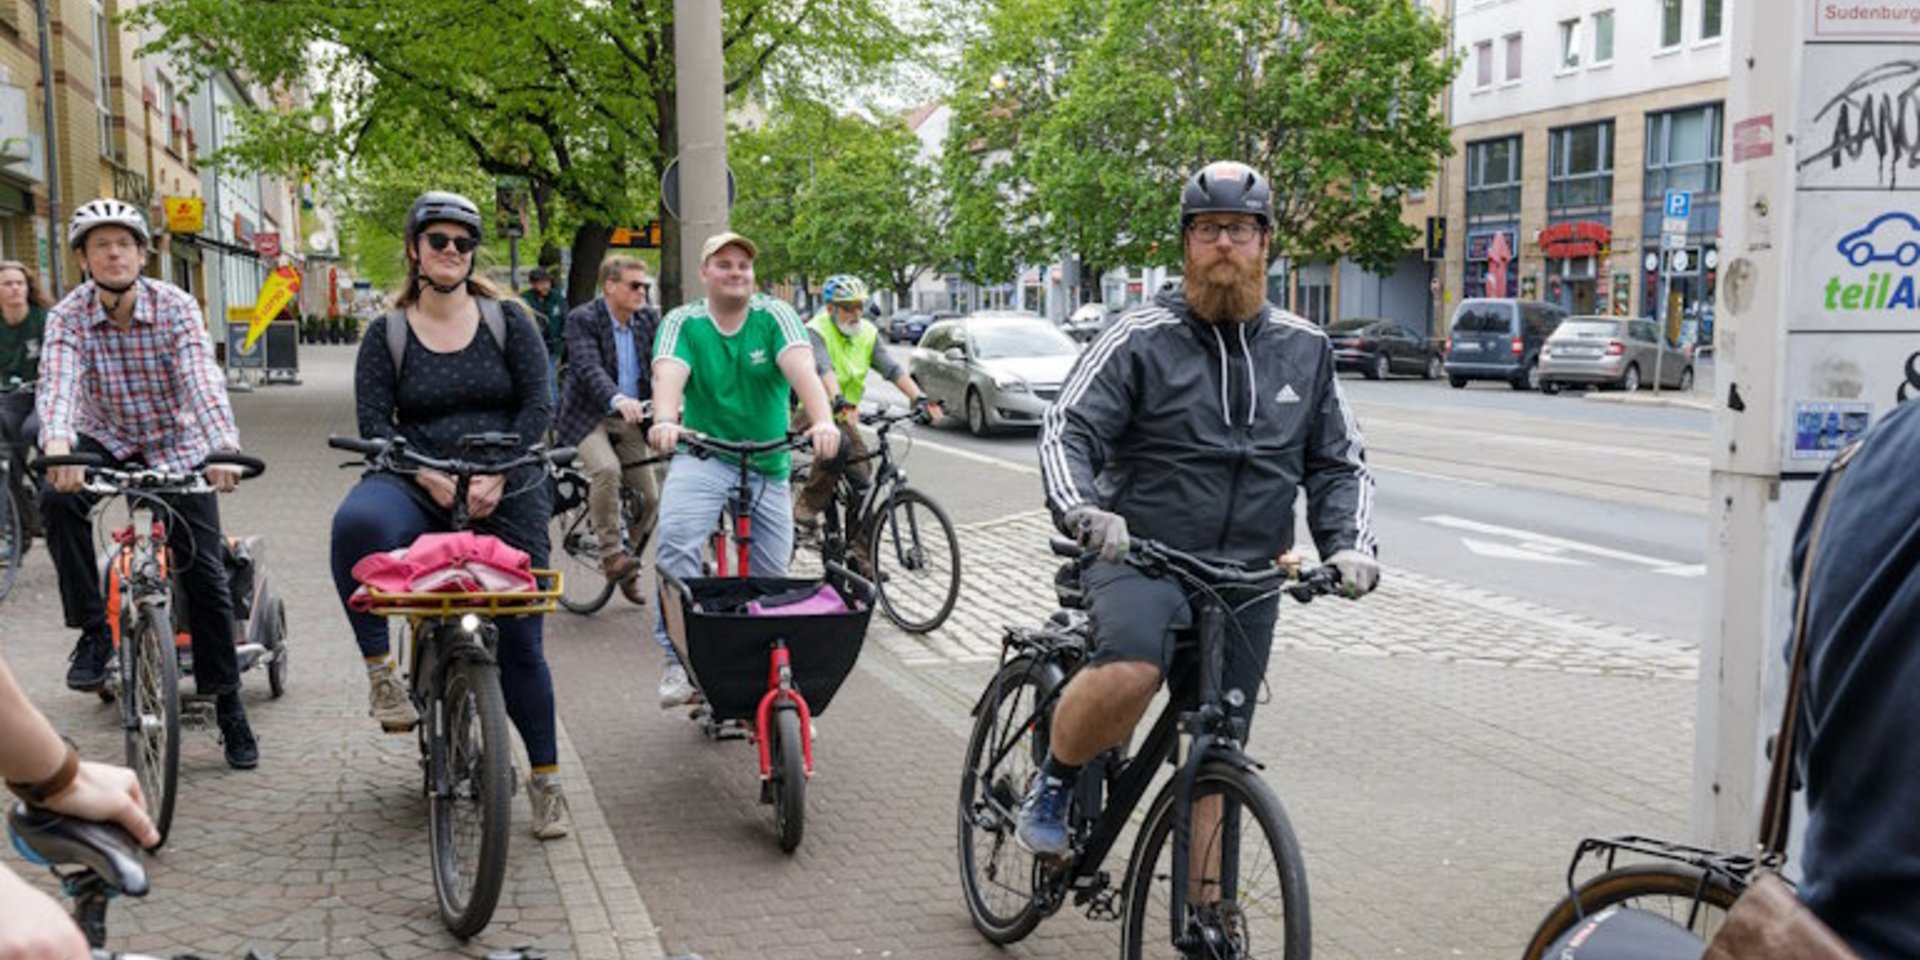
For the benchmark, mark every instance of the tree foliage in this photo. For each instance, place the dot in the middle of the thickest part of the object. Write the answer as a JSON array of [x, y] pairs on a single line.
[[576, 97], [1076, 121]]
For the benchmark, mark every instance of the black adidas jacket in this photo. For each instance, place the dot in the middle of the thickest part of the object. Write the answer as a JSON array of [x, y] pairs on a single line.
[[1200, 435]]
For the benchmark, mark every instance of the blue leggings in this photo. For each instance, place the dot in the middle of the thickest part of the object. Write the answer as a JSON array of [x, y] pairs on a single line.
[[381, 513]]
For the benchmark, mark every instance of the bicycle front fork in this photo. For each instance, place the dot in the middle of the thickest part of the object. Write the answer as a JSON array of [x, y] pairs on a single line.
[[780, 686]]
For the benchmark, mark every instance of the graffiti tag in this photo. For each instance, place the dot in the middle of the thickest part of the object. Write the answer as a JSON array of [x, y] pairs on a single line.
[[1874, 120]]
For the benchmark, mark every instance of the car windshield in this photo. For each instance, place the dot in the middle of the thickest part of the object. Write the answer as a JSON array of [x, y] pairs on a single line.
[[1484, 319], [1351, 326], [1576, 329], [1036, 339]]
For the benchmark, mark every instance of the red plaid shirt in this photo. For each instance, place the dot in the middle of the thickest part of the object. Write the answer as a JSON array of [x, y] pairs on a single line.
[[150, 392]]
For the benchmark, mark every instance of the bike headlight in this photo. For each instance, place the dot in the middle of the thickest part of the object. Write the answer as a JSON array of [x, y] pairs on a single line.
[[470, 623]]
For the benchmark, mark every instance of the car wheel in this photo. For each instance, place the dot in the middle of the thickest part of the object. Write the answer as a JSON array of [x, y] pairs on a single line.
[[976, 414], [1908, 254], [1458, 383], [1528, 378], [1549, 388], [1686, 380], [1435, 369], [1630, 381], [1381, 367]]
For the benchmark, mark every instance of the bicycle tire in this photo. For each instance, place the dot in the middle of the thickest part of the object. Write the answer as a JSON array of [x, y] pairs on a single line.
[[277, 650], [12, 547], [1643, 886], [990, 795], [790, 779], [150, 707], [584, 587], [921, 607], [1147, 931], [477, 779]]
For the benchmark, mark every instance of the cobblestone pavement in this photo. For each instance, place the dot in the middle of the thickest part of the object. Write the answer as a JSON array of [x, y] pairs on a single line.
[[322, 851]]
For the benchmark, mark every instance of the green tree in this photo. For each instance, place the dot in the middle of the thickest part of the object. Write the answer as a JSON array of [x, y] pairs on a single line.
[[1085, 140], [576, 97]]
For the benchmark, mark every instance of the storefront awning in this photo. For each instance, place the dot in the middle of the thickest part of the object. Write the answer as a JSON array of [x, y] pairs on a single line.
[[213, 244]]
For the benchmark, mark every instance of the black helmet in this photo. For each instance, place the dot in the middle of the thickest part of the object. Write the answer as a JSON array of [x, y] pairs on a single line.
[[436, 206], [1227, 186]]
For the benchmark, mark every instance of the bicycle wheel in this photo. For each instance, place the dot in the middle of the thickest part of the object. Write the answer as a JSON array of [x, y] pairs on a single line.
[[467, 816], [1247, 895], [584, 588], [150, 705], [789, 779], [12, 546], [916, 561], [1686, 895], [1009, 742]]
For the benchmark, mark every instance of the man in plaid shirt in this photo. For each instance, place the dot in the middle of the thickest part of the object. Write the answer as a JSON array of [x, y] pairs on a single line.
[[127, 374]]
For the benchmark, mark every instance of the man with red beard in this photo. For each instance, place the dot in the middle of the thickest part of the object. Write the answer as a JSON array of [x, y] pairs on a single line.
[[1193, 421]]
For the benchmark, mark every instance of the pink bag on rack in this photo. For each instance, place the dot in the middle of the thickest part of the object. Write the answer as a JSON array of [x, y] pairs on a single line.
[[822, 601], [464, 562]]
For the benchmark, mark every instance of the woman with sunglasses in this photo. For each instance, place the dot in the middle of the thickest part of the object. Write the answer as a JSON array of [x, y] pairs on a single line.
[[472, 361]]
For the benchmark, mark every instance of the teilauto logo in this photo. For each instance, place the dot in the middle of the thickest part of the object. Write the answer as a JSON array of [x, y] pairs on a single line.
[[1893, 239]]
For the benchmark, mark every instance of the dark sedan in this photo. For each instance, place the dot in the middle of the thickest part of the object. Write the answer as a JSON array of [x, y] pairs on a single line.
[[1378, 348], [909, 326]]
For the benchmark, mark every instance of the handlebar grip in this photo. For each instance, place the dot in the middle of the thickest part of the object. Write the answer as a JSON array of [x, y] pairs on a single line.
[[357, 445], [250, 467], [45, 463], [562, 456], [1063, 547]]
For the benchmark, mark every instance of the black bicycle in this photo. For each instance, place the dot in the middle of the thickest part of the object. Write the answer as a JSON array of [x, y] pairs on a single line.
[[1215, 870], [447, 650], [899, 537], [577, 546], [138, 587], [17, 507]]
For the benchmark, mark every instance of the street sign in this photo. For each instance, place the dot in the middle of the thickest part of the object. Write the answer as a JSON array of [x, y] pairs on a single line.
[[1436, 238], [641, 238], [185, 214], [670, 188], [1679, 204]]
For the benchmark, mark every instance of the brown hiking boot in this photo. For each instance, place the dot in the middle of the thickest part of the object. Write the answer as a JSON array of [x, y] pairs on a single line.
[[620, 567]]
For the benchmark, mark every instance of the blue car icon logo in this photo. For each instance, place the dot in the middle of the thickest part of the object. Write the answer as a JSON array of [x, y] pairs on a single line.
[[1891, 236]]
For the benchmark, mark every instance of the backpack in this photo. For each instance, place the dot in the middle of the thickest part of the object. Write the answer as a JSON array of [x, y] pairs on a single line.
[[492, 316]]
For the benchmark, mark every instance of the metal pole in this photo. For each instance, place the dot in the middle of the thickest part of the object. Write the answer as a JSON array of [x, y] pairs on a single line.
[[700, 99], [49, 138], [1666, 295], [513, 261]]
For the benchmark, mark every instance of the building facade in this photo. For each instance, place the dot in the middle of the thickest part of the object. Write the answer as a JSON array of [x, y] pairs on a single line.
[[1572, 120]]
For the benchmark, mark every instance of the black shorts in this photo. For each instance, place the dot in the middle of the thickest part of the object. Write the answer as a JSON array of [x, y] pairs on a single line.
[[1147, 619]]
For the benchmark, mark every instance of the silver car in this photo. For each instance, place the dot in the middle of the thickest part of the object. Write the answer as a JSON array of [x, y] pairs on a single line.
[[1001, 368], [1611, 352]]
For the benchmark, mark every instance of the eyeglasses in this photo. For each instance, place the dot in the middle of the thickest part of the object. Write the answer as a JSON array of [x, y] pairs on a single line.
[[1207, 231], [636, 285], [439, 241]]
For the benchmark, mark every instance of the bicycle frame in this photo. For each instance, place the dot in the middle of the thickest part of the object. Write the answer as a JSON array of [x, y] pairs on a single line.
[[846, 520]]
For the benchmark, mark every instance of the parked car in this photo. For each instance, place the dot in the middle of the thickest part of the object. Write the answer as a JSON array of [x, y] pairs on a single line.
[[1377, 348], [1611, 352], [1001, 368], [909, 326], [1499, 339], [1088, 320]]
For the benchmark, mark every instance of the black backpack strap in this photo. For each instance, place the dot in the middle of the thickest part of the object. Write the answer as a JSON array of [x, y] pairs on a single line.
[[397, 337]]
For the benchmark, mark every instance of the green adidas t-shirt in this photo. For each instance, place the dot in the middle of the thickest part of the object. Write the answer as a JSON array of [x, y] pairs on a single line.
[[735, 390]]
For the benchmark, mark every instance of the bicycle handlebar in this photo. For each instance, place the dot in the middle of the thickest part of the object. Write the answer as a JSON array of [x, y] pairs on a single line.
[[1303, 583], [113, 481], [887, 418], [704, 445], [396, 456]]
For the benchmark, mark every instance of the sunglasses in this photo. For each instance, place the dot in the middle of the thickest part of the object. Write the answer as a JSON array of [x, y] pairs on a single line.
[[439, 241], [636, 285]]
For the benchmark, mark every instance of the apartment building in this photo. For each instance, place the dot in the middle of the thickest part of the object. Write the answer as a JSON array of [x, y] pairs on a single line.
[[1572, 120]]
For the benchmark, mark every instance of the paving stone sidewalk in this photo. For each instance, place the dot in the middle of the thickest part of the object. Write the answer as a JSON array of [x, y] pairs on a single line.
[[322, 851]]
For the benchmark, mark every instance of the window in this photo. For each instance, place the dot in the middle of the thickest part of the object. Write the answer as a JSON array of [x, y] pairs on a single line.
[[1672, 12], [1711, 22], [1513, 57], [1580, 168], [175, 119], [1683, 153], [1483, 63], [1493, 178], [1569, 44], [103, 80], [1603, 37]]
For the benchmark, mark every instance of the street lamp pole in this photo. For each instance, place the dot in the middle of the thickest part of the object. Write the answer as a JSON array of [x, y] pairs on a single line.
[[48, 139], [700, 99]]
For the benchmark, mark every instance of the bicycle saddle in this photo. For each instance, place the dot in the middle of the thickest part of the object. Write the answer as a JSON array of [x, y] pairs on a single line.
[[107, 849]]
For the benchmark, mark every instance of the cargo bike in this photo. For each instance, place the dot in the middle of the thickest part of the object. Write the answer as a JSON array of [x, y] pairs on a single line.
[[767, 653]]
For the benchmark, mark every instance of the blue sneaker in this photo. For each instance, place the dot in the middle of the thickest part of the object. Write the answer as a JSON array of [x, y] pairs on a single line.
[[1043, 816]]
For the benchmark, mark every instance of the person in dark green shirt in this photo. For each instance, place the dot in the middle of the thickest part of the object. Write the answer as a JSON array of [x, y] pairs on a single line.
[[23, 322], [550, 305]]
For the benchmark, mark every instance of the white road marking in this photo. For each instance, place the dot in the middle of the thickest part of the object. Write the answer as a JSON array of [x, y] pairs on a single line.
[[1695, 570], [1028, 469], [1502, 551], [1429, 476], [1529, 537]]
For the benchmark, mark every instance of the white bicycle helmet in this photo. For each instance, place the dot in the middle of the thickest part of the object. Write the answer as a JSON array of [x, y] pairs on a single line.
[[107, 212]]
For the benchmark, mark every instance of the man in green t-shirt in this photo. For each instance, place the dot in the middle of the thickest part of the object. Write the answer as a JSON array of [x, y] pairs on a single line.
[[722, 366]]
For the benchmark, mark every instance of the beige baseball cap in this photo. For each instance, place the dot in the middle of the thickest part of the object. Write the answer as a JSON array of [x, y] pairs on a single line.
[[723, 239]]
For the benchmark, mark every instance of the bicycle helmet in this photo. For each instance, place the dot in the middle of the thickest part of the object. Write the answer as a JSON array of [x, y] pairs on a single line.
[[1227, 186], [107, 212], [437, 206], [844, 288]]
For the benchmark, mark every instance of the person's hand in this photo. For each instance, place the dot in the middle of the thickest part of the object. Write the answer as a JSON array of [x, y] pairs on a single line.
[[483, 495], [1359, 573], [630, 410], [1100, 532], [927, 410], [844, 412], [223, 477], [64, 479], [825, 439], [36, 928], [438, 485], [106, 793], [665, 436]]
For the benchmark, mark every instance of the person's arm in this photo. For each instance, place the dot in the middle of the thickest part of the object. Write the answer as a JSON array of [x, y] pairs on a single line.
[[58, 395], [585, 366], [669, 387], [1079, 430], [797, 365], [34, 760], [375, 383], [35, 927], [1339, 486]]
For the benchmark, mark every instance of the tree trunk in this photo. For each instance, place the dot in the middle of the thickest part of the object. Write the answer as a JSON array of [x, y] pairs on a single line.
[[589, 248]]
